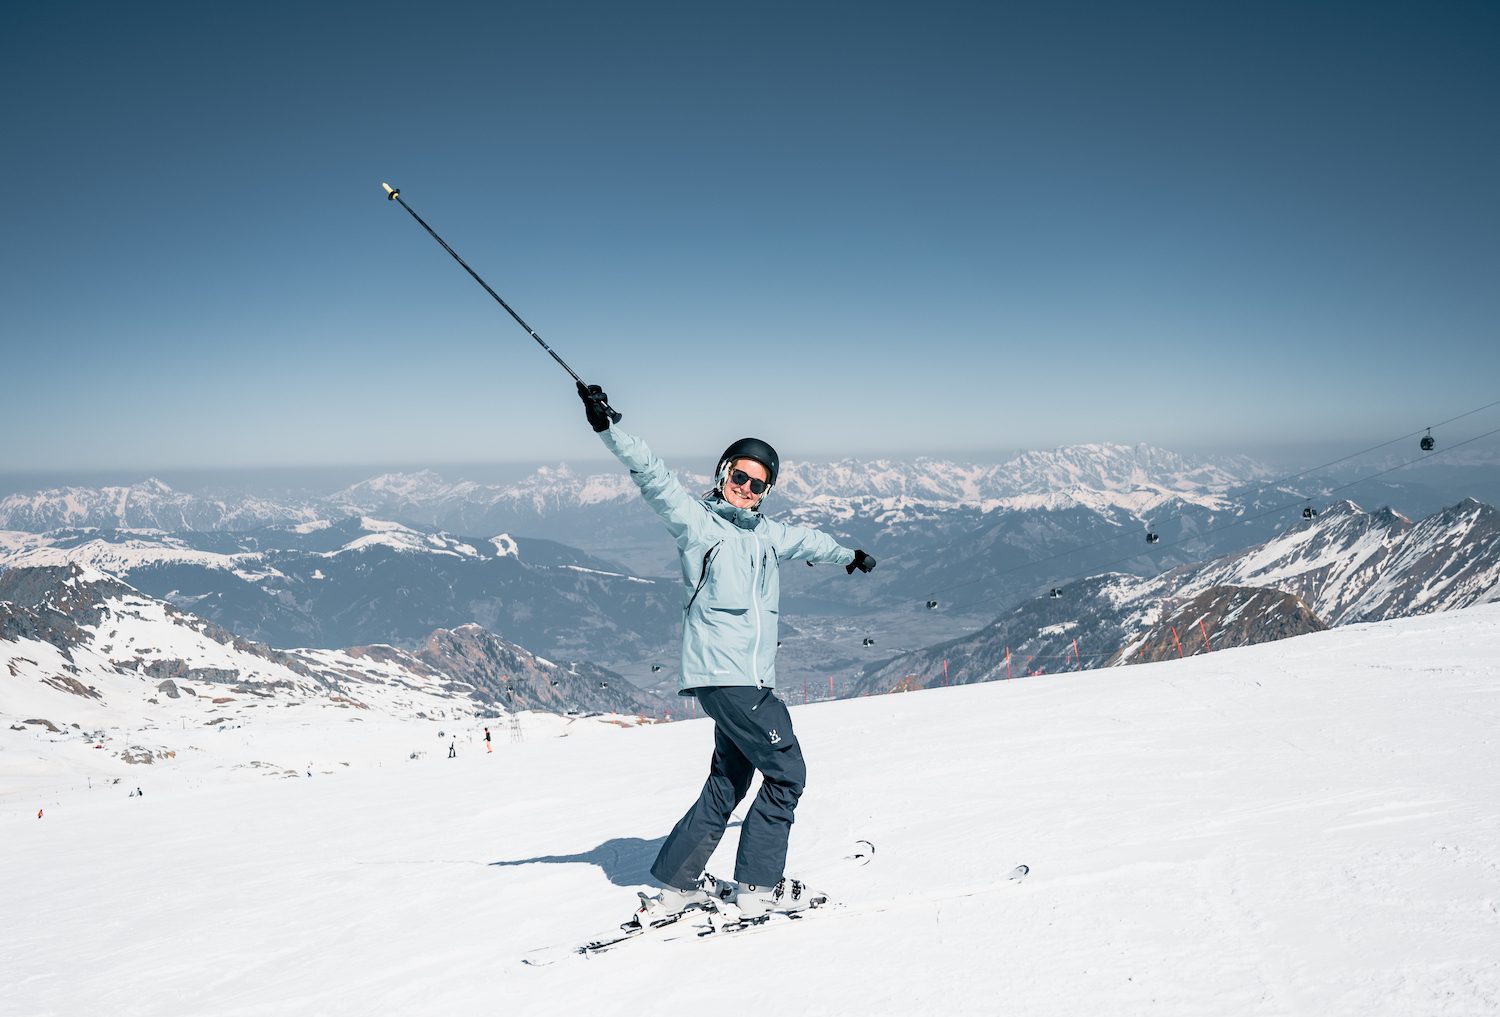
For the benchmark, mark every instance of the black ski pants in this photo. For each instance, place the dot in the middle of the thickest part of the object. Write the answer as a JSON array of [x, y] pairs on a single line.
[[752, 731]]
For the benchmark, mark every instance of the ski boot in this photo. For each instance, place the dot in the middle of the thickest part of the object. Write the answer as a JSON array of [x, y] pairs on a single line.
[[755, 904], [671, 903]]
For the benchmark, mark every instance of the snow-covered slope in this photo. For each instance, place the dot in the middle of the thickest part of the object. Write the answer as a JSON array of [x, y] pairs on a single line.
[[1303, 827], [1350, 565]]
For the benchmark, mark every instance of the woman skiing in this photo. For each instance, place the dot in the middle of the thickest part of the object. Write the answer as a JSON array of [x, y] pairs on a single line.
[[729, 555]]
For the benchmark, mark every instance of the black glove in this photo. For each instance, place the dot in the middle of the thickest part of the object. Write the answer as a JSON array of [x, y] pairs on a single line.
[[596, 406], [861, 561]]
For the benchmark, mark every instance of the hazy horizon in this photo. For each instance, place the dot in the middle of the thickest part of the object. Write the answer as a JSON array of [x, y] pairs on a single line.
[[1283, 459]]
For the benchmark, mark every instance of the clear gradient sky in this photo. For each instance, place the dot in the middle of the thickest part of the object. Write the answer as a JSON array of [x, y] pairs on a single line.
[[855, 229]]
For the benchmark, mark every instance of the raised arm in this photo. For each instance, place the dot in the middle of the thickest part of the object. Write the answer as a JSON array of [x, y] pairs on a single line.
[[678, 509]]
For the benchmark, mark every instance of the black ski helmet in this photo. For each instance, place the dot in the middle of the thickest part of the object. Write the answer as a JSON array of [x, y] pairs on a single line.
[[752, 448]]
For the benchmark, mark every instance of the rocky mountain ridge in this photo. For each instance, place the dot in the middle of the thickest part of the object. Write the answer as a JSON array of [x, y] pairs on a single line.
[[1340, 567]]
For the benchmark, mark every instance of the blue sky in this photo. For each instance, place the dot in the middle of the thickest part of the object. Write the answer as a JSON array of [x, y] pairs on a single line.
[[853, 229]]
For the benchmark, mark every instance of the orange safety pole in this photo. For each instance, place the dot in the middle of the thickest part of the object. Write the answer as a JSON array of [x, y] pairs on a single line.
[[1076, 657], [1007, 663], [1206, 647], [1177, 641], [945, 673]]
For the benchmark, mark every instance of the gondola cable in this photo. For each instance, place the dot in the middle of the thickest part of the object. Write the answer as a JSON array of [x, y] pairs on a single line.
[[1247, 519], [1280, 508]]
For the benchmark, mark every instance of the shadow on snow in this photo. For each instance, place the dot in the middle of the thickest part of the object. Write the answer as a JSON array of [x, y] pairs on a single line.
[[625, 861]]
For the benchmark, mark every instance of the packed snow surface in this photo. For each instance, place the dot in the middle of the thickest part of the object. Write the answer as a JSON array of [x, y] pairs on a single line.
[[1303, 827]]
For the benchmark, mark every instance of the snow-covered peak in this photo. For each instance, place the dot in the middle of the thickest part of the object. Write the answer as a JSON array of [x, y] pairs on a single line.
[[149, 504], [1352, 565], [382, 526], [120, 552], [381, 533], [402, 494], [1134, 478], [1114, 468]]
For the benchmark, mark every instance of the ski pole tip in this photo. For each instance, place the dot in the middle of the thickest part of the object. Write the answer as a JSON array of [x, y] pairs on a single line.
[[391, 193]]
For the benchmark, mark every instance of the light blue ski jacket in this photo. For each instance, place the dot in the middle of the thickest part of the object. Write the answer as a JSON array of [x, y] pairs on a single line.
[[730, 576]]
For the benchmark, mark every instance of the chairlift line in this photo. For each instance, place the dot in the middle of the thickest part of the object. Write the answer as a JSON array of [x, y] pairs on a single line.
[[1308, 511], [1283, 508]]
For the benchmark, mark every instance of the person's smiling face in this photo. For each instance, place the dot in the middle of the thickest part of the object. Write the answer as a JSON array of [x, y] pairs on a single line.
[[740, 494]]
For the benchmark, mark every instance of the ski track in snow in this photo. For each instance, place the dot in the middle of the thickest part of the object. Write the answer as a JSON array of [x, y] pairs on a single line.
[[1302, 827]]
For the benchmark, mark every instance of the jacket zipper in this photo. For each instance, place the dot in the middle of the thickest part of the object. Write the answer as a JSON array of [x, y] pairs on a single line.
[[708, 556], [755, 568]]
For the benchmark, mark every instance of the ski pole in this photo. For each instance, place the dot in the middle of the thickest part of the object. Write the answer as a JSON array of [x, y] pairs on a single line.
[[394, 194]]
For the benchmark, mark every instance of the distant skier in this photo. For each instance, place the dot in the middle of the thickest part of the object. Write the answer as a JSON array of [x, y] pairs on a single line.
[[453, 749], [730, 555], [487, 747]]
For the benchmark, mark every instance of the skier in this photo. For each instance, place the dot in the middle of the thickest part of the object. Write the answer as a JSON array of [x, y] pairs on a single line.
[[487, 746], [453, 749], [729, 555]]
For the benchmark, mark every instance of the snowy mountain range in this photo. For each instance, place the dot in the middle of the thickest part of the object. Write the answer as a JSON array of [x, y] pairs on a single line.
[[930, 520], [364, 580], [1133, 477], [980, 541], [87, 636], [1340, 567], [378, 562]]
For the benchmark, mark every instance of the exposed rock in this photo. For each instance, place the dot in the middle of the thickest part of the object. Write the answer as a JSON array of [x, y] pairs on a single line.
[[73, 685]]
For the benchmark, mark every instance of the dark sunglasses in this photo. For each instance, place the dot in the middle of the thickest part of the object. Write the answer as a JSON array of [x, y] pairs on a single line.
[[741, 478]]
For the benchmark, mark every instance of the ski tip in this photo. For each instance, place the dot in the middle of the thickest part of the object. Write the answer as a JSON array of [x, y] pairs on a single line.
[[1019, 873], [864, 851]]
